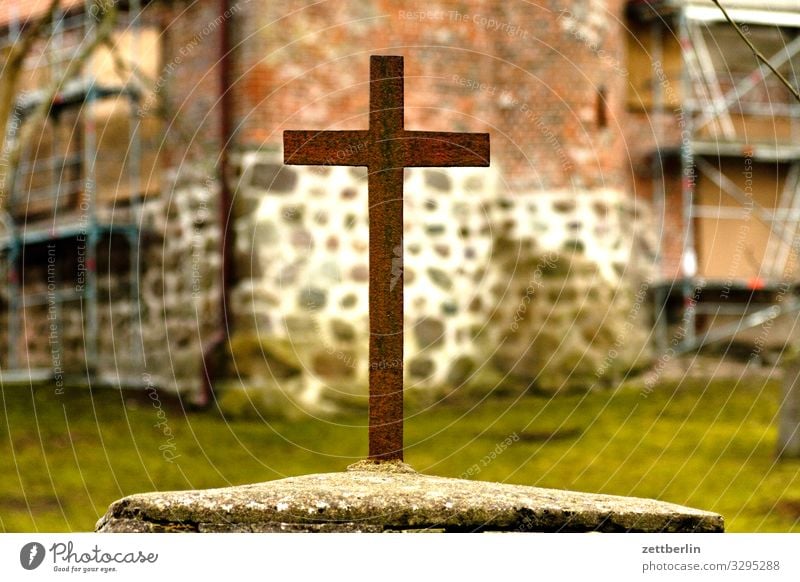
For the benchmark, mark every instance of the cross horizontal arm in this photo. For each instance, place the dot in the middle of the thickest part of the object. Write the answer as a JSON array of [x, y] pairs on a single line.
[[326, 148], [443, 149]]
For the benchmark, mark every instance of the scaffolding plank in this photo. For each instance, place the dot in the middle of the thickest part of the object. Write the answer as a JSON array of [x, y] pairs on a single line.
[[715, 174], [753, 79], [752, 320], [758, 152], [773, 263]]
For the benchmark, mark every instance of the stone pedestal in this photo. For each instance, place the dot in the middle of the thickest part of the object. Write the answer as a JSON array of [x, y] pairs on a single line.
[[392, 497]]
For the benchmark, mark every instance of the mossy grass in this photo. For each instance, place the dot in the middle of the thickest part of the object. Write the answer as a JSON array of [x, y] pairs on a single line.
[[703, 443]]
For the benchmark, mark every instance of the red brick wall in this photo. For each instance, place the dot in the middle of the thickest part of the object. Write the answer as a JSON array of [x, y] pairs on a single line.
[[190, 80], [642, 133], [511, 69], [514, 69]]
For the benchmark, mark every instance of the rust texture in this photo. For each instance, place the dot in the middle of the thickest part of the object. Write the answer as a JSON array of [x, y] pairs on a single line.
[[386, 148]]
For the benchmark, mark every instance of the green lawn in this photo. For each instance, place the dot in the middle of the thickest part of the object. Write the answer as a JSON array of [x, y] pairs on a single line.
[[64, 458]]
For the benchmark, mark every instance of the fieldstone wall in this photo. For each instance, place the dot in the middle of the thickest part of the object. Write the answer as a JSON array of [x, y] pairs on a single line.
[[489, 276], [502, 291], [180, 280], [158, 342]]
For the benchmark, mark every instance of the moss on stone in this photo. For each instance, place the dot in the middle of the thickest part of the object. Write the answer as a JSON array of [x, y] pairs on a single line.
[[252, 354], [391, 496]]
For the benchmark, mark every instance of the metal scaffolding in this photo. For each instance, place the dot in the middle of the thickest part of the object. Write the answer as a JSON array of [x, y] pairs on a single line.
[[62, 210], [718, 108]]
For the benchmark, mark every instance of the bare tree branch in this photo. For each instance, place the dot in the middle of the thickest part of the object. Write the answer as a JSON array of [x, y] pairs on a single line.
[[757, 52], [125, 68], [103, 30], [14, 61]]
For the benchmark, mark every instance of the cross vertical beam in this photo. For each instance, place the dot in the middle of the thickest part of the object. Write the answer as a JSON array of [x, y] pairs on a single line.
[[386, 148], [385, 243]]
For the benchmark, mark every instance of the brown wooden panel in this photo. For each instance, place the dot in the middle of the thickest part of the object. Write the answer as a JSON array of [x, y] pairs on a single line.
[[113, 170], [734, 249], [643, 67], [750, 129]]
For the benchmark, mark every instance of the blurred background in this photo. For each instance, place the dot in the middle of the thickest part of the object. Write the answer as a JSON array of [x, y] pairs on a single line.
[[610, 307]]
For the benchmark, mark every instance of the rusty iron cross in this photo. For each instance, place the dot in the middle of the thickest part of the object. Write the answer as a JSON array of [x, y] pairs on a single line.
[[385, 149]]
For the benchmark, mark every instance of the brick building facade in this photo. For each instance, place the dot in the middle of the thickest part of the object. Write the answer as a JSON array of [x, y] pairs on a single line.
[[528, 273]]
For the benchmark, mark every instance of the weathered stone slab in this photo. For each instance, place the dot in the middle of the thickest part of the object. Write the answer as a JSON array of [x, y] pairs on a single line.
[[391, 497]]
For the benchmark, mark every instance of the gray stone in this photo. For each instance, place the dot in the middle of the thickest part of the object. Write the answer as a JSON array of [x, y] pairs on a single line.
[[252, 354], [243, 205], [437, 179], [564, 206], [266, 233], [338, 364], [288, 274], [342, 330], [390, 497], [211, 243], [421, 368], [440, 278], [460, 370], [449, 308], [300, 327], [247, 266], [276, 178], [474, 184], [358, 173], [292, 214], [360, 273], [301, 238], [329, 271], [600, 209], [349, 300], [312, 298], [475, 305], [429, 332]]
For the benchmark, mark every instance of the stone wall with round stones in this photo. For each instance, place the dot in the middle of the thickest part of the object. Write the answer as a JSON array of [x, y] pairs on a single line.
[[301, 256], [158, 343], [180, 280]]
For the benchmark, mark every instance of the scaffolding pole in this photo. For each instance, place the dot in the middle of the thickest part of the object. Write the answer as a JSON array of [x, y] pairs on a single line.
[[688, 181]]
